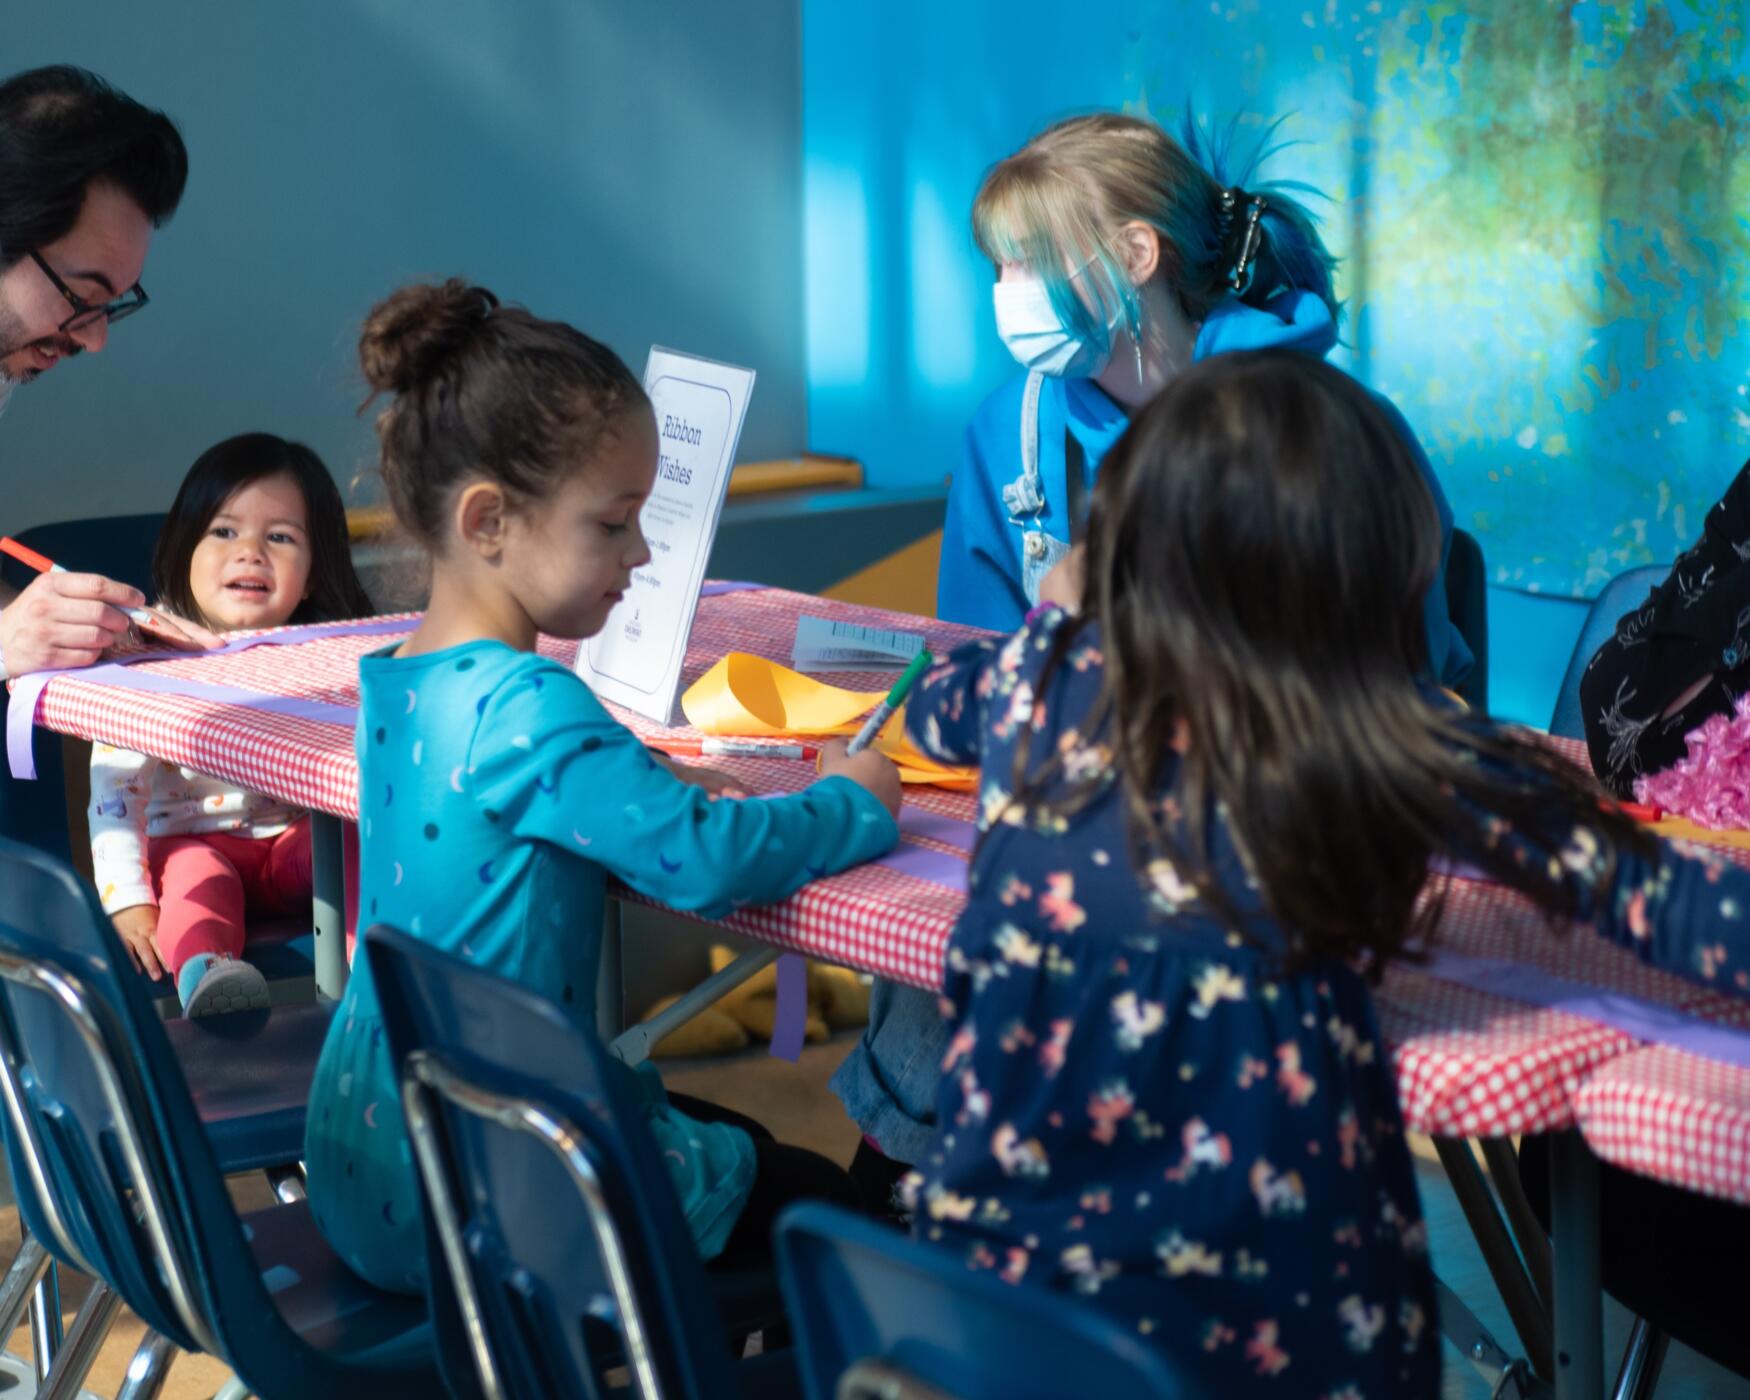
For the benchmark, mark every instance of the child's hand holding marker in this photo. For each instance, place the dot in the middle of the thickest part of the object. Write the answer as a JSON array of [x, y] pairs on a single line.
[[867, 769], [855, 760]]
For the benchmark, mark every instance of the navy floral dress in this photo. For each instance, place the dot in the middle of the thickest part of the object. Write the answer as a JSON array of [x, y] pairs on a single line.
[[1140, 1106]]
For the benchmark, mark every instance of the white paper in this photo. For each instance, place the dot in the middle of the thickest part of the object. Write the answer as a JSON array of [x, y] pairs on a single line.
[[636, 659], [823, 644]]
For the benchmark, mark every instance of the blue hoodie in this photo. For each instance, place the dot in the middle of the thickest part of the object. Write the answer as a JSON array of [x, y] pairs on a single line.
[[980, 579]]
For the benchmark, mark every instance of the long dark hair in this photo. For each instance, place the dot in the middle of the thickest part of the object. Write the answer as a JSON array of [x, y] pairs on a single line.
[[63, 128], [217, 475], [1260, 543], [484, 390]]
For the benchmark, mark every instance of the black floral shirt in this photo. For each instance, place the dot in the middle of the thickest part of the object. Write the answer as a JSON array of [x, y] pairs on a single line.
[[1694, 624]]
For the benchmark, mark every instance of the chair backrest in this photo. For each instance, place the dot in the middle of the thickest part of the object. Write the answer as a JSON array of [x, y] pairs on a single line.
[[551, 1228], [121, 547], [112, 1168], [1623, 594], [1467, 604], [873, 1305]]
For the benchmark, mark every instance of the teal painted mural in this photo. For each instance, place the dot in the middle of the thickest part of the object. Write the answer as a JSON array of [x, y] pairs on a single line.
[[1543, 211]]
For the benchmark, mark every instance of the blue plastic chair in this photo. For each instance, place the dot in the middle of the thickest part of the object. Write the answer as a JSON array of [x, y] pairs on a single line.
[[116, 1176], [555, 1245], [879, 1314], [1623, 594], [249, 1075], [1467, 604]]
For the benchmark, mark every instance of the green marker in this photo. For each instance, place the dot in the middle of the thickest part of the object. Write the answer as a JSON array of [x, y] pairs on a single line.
[[895, 698]]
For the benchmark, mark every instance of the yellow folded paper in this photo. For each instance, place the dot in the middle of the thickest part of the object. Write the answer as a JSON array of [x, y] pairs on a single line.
[[745, 696]]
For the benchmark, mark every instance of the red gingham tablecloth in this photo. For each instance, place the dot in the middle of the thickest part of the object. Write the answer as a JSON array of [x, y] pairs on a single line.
[[1468, 1063], [872, 918]]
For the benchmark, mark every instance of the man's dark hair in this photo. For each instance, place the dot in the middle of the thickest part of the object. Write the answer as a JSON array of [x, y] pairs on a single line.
[[62, 129]]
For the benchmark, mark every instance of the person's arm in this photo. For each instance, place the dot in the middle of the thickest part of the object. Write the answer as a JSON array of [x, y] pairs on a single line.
[[977, 583], [945, 716], [121, 787], [552, 764], [1684, 909]]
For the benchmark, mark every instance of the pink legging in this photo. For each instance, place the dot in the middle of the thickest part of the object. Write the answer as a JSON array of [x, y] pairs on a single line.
[[205, 883]]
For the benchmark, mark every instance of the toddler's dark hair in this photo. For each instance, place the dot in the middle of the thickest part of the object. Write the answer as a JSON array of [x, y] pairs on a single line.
[[217, 475]]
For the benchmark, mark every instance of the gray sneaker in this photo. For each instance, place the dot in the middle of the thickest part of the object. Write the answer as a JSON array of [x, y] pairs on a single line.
[[230, 984]]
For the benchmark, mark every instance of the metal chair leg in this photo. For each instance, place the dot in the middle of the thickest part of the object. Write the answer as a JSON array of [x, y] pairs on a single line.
[[28, 1265], [83, 1341], [45, 1321], [149, 1369], [233, 1389], [1641, 1362]]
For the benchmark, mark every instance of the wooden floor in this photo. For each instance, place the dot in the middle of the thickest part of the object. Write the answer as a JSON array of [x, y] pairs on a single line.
[[794, 1103]]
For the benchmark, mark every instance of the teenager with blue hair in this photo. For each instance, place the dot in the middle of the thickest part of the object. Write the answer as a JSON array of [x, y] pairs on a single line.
[[1123, 256]]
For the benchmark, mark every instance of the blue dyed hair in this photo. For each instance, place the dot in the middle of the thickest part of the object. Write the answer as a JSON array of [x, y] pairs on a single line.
[[1056, 206]]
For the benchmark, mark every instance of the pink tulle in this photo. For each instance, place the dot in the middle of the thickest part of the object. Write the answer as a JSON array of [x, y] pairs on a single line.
[[1711, 784]]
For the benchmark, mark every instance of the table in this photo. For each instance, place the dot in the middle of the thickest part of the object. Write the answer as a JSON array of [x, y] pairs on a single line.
[[870, 918], [1469, 1065]]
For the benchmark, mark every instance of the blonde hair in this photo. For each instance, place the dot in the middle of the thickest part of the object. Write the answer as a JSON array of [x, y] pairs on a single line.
[[1058, 205]]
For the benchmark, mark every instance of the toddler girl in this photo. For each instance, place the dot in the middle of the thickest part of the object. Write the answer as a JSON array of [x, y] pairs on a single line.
[[255, 538]]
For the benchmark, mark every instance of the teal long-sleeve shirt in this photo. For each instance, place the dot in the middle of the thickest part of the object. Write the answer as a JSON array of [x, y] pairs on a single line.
[[496, 797]]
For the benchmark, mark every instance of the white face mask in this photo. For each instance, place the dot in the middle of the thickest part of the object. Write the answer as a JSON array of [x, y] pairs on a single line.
[[1030, 327]]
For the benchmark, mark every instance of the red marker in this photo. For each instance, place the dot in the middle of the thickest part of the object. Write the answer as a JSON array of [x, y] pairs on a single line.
[[731, 748], [24, 554], [1641, 812]]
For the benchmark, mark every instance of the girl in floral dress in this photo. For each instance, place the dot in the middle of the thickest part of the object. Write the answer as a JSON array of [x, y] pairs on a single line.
[[1210, 796]]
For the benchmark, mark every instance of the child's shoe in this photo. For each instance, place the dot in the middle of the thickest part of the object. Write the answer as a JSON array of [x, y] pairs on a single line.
[[211, 984]]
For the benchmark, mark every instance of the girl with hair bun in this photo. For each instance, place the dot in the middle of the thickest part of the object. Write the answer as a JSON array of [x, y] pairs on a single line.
[[1122, 256], [497, 795]]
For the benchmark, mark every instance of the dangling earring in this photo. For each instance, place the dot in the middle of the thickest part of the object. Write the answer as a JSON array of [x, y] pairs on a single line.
[[1136, 345]]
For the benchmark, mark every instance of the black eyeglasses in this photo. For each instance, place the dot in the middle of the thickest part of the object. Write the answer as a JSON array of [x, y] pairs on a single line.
[[87, 313]]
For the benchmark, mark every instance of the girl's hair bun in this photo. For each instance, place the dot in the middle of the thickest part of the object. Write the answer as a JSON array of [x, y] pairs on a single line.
[[412, 334]]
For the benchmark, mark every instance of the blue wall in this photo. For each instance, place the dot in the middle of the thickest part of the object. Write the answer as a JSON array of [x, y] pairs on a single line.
[[632, 168]]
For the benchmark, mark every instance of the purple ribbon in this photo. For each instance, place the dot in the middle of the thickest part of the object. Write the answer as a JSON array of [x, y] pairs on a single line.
[[1634, 1016], [27, 690], [1441, 865], [718, 587], [950, 831], [790, 1016]]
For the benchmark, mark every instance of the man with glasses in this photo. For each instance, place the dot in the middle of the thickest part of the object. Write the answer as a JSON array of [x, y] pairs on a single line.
[[86, 174]]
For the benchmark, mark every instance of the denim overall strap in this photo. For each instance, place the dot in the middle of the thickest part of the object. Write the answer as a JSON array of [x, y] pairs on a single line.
[[1025, 499]]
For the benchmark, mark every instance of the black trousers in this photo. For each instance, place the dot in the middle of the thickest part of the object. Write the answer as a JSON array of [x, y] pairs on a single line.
[[1670, 1256], [782, 1174]]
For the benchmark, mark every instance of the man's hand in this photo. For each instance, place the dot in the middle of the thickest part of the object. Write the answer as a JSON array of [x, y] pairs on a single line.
[[138, 926], [68, 620]]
